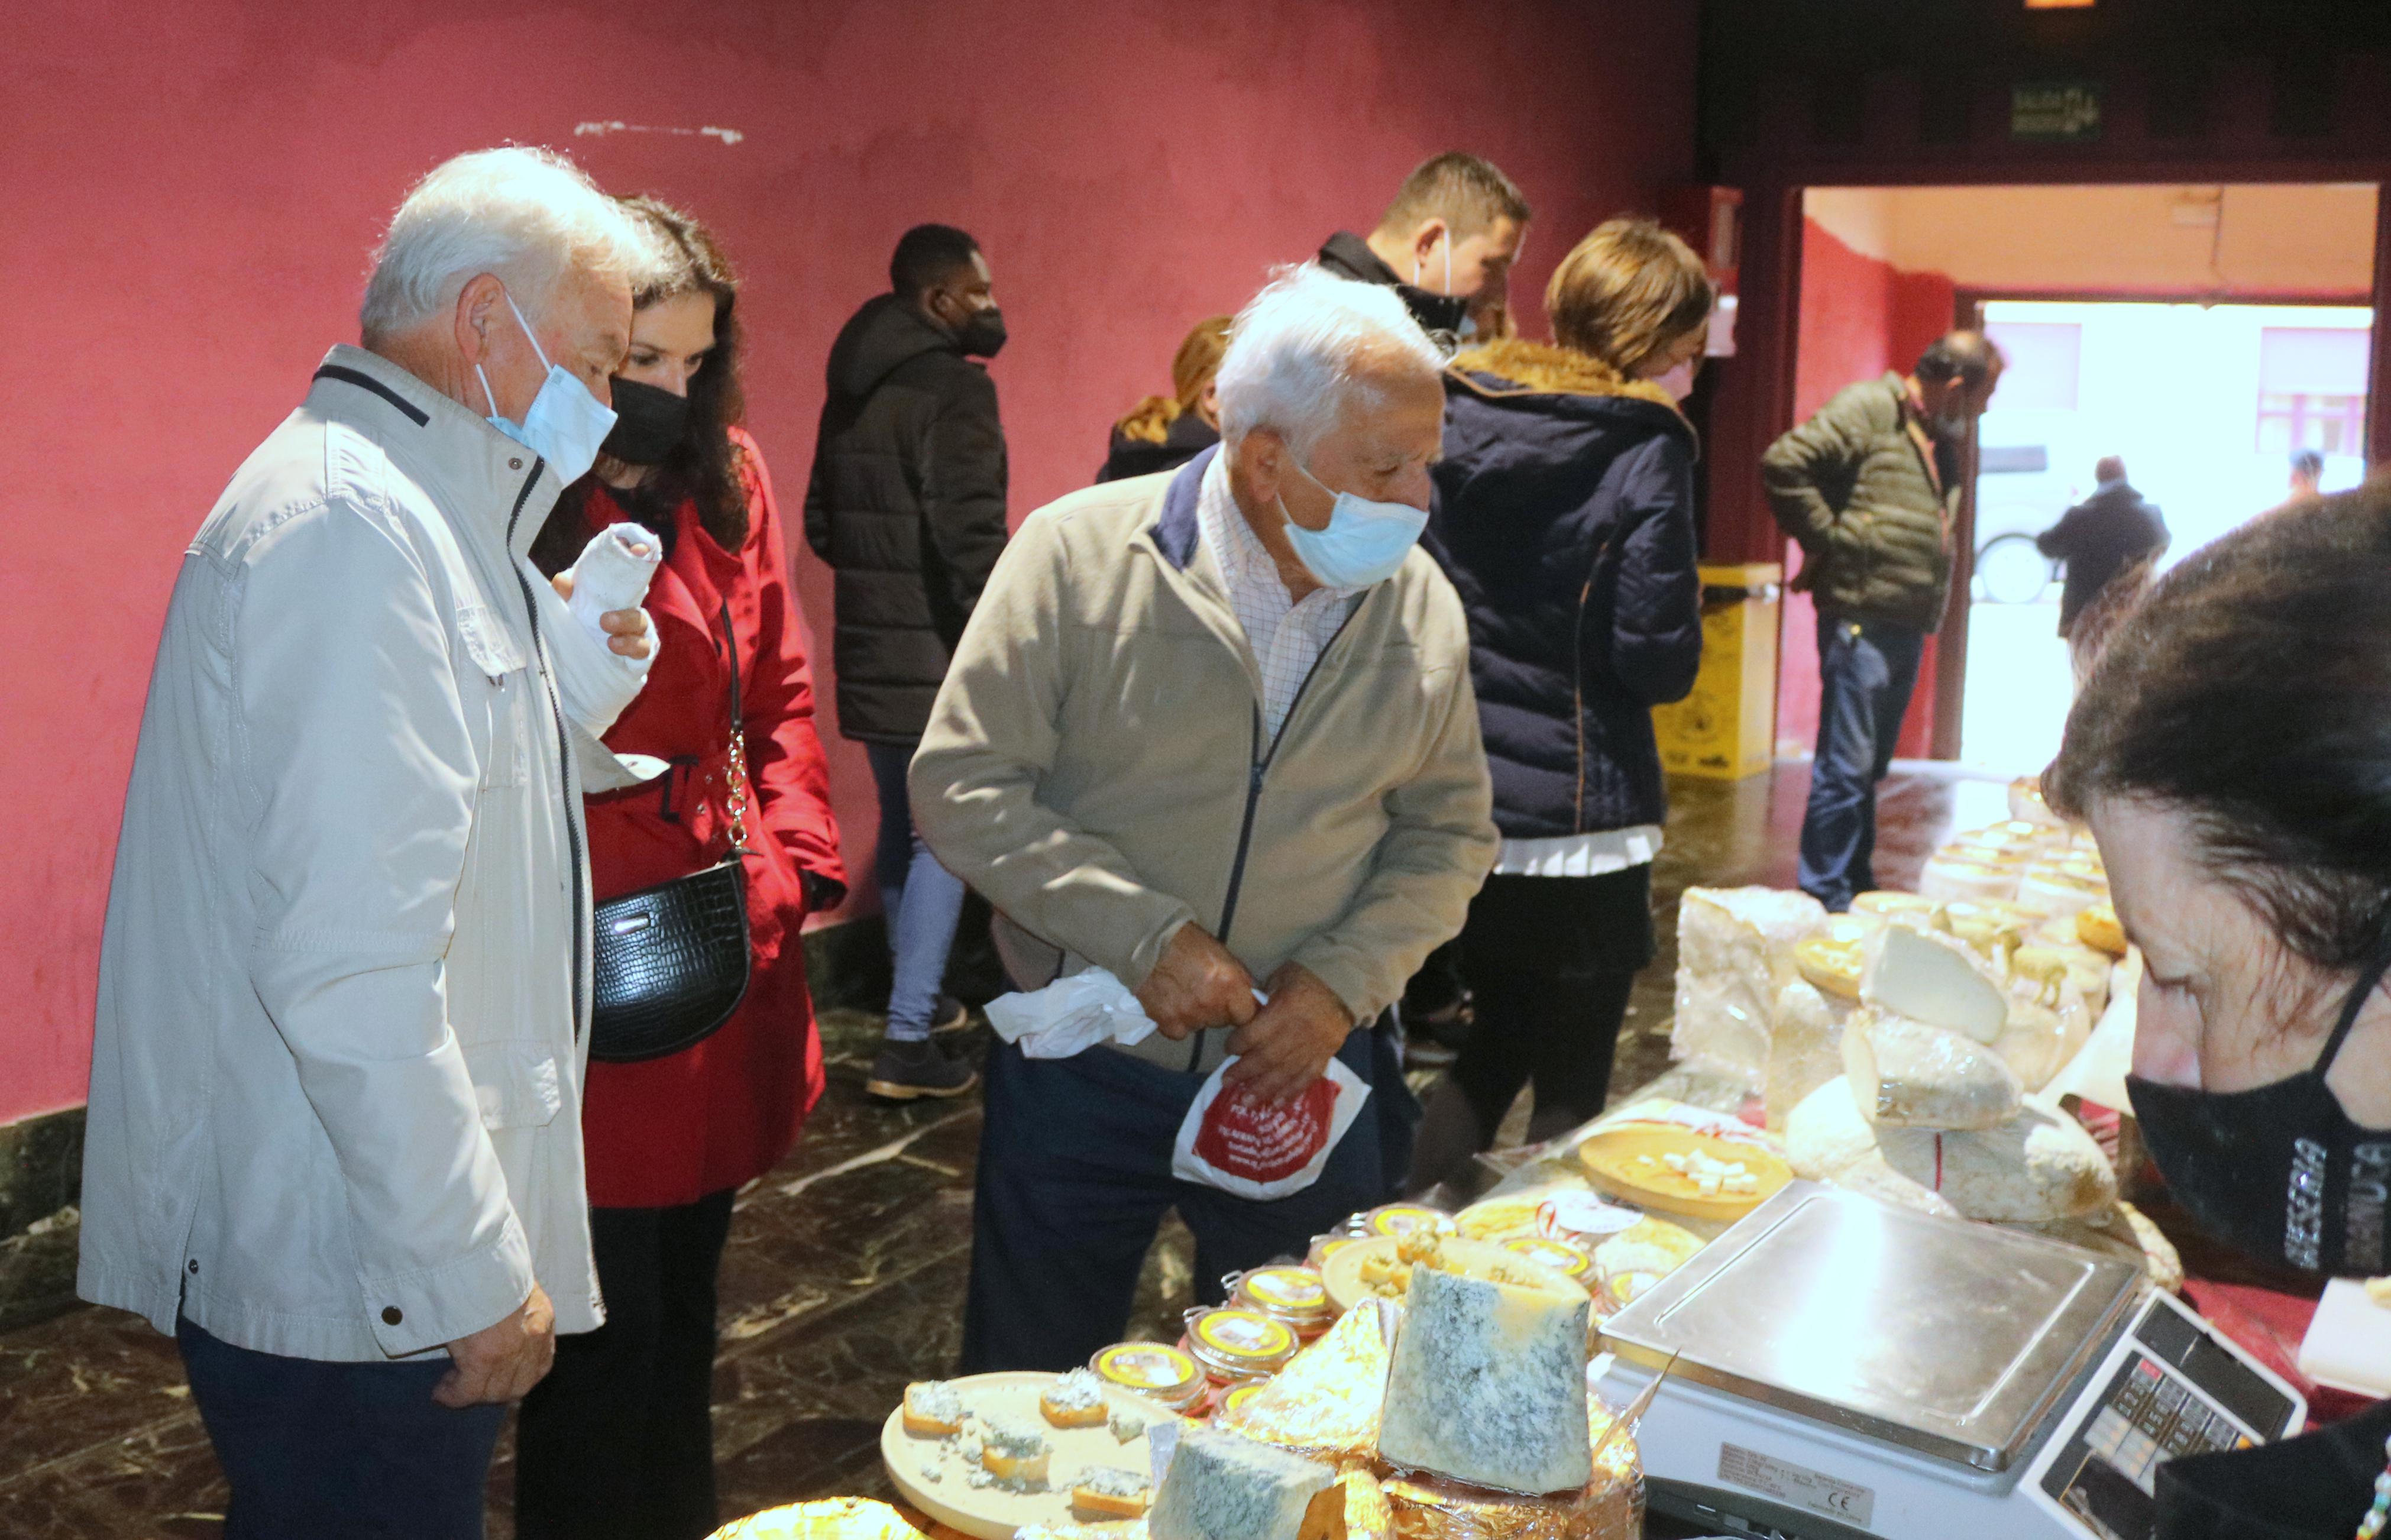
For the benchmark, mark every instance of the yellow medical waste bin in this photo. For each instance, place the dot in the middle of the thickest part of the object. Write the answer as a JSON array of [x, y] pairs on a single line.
[[1726, 729]]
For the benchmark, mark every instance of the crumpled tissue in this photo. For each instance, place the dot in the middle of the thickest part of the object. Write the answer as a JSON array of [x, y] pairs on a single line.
[[1070, 1015]]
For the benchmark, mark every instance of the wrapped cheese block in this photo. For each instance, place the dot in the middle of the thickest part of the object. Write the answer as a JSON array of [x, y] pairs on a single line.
[[2026, 803], [1934, 979], [1905, 1074], [1488, 1384], [830, 1519], [1611, 1506], [2098, 926], [1735, 951], [1222, 1486], [2046, 974], [2066, 891], [1950, 876], [2038, 1166], [1806, 1049], [1912, 909], [1326, 1403], [1827, 1139], [2039, 1039]]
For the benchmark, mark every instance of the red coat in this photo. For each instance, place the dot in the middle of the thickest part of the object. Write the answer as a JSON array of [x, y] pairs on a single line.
[[670, 1131]]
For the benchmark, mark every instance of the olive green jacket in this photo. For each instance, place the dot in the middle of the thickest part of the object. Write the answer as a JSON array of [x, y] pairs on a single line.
[[1854, 486]]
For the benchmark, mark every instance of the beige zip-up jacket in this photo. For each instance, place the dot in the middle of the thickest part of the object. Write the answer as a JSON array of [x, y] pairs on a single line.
[[1095, 764], [335, 1094]]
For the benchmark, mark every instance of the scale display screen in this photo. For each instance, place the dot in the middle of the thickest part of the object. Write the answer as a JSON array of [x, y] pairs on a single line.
[[2174, 1393]]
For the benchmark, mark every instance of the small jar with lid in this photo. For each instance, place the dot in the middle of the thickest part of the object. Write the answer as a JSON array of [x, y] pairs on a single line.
[[1403, 1219], [1327, 1246], [1574, 1262], [1235, 1345], [1229, 1398], [1296, 1295], [1157, 1371]]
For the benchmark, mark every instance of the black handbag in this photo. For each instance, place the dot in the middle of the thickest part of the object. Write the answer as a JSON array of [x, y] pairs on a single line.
[[672, 961]]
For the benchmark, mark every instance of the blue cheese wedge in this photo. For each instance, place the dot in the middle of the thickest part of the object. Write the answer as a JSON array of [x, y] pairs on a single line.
[[1487, 1385], [1224, 1487]]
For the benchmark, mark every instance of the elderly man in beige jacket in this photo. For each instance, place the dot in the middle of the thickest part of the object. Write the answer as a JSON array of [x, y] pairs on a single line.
[[334, 1136], [1208, 730]]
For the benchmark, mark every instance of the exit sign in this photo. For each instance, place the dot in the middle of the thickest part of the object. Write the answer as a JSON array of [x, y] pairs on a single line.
[[2055, 112]]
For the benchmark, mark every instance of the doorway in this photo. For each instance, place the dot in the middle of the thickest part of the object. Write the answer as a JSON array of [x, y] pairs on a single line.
[[2203, 404], [2201, 331]]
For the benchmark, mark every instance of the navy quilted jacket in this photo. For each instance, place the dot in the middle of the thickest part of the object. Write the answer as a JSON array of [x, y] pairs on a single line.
[[1564, 515]]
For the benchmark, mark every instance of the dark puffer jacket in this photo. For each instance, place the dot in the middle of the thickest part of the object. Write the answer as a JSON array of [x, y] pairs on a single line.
[[1187, 437], [907, 505], [1564, 515], [1854, 487]]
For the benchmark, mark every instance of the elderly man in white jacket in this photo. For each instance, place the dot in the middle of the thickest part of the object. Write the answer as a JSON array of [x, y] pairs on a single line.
[[335, 1138]]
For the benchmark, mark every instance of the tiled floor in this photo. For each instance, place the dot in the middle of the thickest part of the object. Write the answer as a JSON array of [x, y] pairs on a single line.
[[845, 1273]]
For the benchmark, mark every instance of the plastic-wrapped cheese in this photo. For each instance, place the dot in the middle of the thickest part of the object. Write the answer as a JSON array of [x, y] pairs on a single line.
[[1488, 1385], [2047, 974], [2040, 1039], [1956, 874], [1735, 951], [2038, 1166], [1905, 1074], [1807, 1049], [1224, 1487], [1827, 1139], [1932, 979]]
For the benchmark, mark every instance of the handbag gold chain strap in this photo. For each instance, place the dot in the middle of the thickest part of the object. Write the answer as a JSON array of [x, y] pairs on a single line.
[[735, 801]]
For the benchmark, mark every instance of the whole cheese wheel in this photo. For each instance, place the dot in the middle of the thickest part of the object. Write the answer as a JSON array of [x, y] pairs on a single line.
[[1950, 876]]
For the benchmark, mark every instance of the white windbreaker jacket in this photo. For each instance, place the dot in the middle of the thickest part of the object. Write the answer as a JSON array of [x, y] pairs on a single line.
[[335, 1092]]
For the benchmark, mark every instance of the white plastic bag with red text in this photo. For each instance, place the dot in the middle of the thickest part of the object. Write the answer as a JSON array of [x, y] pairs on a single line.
[[1231, 1141]]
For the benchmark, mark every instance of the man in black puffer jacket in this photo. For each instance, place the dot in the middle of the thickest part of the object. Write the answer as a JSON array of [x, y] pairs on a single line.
[[907, 505]]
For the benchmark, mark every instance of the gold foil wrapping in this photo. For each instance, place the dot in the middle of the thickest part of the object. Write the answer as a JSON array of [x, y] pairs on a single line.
[[1611, 1508], [1324, 1404], [1367, 1513]]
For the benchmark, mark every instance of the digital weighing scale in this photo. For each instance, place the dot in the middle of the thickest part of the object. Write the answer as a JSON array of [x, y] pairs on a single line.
[[1841, 1369]]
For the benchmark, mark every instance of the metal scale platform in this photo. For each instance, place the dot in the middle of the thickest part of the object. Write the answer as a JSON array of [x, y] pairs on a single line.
[[1840, 1369]]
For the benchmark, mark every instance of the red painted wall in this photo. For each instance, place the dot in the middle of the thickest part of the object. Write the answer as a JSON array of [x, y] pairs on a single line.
[[195, 187], [1859, 318]]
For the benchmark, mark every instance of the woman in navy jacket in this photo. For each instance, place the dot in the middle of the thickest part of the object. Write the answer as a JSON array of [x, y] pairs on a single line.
[[1564, 515]]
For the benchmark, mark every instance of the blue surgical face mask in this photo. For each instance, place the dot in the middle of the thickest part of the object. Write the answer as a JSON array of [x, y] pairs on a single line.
[[1365, 542], [565, 424]]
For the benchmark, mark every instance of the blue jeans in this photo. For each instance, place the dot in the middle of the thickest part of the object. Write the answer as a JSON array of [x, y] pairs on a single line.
[[921, 900], [1075, 1174], [314, 1448], [1866, 673]]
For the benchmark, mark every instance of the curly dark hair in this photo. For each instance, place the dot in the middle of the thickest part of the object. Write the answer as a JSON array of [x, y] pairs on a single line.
[[706, 464]]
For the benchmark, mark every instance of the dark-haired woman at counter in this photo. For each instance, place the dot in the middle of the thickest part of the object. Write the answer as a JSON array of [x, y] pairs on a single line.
[[2231, 751]]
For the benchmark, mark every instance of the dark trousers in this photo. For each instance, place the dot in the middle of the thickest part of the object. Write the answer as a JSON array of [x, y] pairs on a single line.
[[619, 1440], [1866, 673], [316, 1449], [1550, 961], [1074, 1178]]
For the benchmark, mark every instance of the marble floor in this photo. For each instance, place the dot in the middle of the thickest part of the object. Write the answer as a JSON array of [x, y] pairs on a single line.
[[845, 1273]]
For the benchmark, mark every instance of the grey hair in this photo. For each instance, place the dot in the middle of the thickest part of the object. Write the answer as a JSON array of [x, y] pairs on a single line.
[[526, 214], [1306, 345]]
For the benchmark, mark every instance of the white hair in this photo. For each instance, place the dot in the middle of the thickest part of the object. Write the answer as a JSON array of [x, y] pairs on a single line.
[[1304, 348], [527, 215]]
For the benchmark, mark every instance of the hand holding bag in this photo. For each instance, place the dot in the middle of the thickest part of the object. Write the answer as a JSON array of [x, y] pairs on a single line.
[[674, 960]]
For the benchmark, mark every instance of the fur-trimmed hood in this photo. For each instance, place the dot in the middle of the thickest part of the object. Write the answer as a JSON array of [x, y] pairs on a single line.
[[1514, 368], [1549, 370]]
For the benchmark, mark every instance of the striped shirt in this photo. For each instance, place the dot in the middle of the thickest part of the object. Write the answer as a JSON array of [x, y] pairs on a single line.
[[1288, 638]]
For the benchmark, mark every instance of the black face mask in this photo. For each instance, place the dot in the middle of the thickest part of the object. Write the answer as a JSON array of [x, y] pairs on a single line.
[[982, 333], [2279, 1171], [649, 422]]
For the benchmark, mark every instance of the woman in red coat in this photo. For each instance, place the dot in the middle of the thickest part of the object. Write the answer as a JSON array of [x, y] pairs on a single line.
[[617, 1440]]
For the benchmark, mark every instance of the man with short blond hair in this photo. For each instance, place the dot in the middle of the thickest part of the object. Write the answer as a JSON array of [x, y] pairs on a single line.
[[334, 1143], [1208, 732]]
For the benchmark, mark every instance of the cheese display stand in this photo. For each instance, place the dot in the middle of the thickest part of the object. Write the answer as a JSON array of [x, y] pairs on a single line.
[[1852, 1268]]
